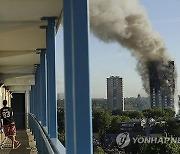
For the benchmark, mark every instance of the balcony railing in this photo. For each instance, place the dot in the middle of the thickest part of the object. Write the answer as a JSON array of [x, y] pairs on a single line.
[[43, 142]]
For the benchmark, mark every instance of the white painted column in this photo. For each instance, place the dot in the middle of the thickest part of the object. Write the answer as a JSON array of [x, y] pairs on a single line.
[[27, 107]]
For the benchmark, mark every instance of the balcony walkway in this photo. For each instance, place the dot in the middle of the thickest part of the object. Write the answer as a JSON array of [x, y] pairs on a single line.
[[27, 144]]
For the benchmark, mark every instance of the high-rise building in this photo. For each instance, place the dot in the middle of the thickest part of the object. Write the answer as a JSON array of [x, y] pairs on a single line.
[[115, 94], [161, 93]]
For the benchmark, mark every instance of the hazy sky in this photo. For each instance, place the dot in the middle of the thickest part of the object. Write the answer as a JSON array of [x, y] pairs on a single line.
[[111, 59]]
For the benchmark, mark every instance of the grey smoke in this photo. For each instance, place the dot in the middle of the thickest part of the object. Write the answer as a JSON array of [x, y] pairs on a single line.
[[126, 22]]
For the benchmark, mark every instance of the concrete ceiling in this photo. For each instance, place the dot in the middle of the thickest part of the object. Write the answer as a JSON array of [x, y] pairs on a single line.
[[20, 36]]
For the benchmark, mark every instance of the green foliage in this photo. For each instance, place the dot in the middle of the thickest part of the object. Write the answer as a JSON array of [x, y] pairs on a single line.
[[130, 114], [148, 113], [154, 148], [133, 114], [169, 113], [61, 120], [61, 137], [166, 148], [173, 128], [101, 121], [136, 148], [158, 128], [99, 150], [159, 113], [116, 120], [153, 113], [117, 112]]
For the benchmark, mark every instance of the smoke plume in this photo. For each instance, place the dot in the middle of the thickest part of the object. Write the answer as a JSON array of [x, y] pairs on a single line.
[[126, 22]]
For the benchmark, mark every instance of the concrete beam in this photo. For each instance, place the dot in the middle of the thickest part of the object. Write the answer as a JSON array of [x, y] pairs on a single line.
[[19, 81], [9, 53], [16, 68], [13, 75], [19, 88]]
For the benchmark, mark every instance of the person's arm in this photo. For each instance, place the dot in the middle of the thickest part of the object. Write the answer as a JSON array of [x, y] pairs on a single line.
[[1, 123], [12, 113], [0, 114], [1, 120]]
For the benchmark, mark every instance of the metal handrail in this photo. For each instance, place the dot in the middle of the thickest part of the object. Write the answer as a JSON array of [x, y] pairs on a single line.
[[52, 149]]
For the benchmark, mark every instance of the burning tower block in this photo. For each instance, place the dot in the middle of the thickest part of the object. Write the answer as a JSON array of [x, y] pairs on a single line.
[[162, 84]]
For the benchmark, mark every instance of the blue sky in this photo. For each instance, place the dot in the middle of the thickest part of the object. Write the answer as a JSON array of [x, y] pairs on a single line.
[[112, 59]]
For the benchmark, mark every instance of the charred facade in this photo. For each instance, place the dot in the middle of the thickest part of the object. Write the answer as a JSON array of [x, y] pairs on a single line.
[[162, 84]]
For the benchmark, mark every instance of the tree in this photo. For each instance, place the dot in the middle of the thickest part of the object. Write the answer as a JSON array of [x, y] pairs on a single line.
[[159, 113], [133, 114], [154, 113], [165, 148], [101, 121], [169, 113], [158, 128], [130, 114], [154, 148], [117, 112], [61, 137], [99, 150], [116, 120], [136, 148], [173, 128], [61, 120], [61, 125]]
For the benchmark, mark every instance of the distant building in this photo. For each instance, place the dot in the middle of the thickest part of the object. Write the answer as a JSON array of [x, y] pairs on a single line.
[[60, 96], [115, 94], [136, 103], [162, 96], [60, 100], [99, 103], [60, 103], [129, 107]]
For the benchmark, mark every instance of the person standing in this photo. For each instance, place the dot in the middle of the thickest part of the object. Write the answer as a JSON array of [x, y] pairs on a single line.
[[9, 125]]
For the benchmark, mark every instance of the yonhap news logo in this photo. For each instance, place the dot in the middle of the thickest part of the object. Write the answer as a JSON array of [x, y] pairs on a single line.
[[123, 140]]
